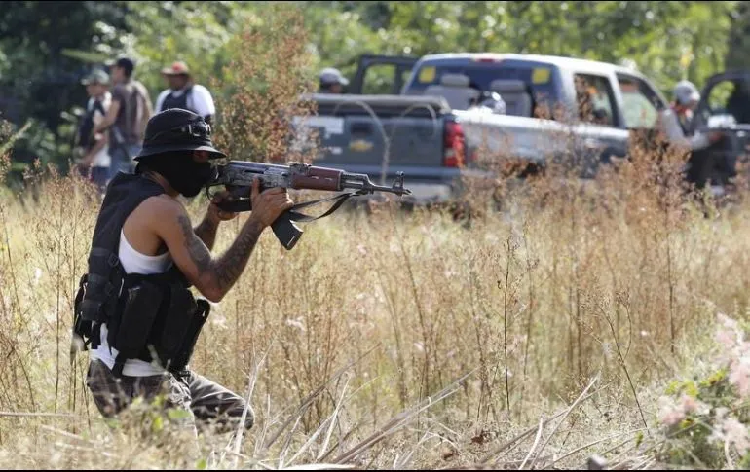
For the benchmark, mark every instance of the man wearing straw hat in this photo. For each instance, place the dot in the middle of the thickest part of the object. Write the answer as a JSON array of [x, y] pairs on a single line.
[[184, 94]]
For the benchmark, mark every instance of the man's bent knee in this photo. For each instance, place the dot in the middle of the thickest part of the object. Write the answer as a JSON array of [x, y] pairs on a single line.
[[111, 395], [213, 402]]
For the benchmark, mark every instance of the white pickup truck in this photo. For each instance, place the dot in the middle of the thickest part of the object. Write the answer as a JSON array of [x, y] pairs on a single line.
[[572, 111]]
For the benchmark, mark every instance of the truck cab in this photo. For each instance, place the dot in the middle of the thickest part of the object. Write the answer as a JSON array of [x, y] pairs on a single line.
[[546, 87], [554, 105]]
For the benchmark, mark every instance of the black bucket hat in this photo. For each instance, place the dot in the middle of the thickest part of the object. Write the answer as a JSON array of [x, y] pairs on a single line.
[[177, 130]]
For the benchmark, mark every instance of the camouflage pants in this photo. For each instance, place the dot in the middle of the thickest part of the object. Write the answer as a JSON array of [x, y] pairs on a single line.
[[199, 397]]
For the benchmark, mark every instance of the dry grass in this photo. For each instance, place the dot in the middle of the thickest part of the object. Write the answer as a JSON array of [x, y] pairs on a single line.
[[398, 339], [529, 337]]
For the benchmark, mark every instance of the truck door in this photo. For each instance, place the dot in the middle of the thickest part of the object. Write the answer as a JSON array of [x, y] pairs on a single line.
[[725, 106]]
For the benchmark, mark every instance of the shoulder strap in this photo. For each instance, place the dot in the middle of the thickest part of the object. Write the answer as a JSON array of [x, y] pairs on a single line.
[[98, 105], [338, 200], [128, 115]]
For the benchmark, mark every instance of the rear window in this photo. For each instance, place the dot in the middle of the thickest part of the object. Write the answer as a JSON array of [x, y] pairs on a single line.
[[538, 78]]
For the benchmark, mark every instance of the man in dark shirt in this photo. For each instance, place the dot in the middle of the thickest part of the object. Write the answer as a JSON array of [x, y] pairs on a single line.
[[127, 116]]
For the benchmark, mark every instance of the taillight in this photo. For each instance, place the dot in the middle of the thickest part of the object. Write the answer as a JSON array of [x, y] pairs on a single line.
[[487, 59], [455, 145]]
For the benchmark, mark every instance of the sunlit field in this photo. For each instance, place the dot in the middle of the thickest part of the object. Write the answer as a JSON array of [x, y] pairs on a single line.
[[536, 334]]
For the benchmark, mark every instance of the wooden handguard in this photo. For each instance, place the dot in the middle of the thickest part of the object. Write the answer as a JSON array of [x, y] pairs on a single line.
[[318, 178]]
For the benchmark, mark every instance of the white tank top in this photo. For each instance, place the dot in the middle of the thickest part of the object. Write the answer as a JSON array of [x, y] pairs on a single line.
[[132, 261]]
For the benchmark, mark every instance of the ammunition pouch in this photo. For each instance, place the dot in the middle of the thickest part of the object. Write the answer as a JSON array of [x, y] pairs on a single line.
[[98, 295], [148, 317], [129, 332], [185, 317]]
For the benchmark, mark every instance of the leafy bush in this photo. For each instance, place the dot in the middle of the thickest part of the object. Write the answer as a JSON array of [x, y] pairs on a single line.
[[707, 420]]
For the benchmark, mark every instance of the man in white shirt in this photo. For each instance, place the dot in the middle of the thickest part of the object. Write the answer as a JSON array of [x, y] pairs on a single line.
[[185, 94], [96, 147]]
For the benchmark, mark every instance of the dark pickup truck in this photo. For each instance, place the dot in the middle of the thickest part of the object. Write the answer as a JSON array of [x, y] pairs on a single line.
[[381, 135], [434, 131]]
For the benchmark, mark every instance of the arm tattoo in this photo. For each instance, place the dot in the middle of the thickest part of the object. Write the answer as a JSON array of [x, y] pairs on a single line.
[[195, 246], [207, 232], [227, 269], [231, 265]]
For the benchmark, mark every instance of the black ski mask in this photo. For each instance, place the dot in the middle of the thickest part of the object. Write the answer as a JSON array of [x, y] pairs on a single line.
[[183, 174]]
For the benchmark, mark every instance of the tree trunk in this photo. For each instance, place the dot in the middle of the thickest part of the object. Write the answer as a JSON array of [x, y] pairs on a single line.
[[739, 38]]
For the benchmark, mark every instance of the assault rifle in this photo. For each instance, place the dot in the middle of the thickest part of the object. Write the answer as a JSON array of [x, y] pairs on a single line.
[[237, 178]]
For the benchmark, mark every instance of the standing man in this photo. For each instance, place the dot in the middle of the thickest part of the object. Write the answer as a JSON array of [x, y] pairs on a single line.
[[331, 80], [677, 124], [95, 146], [183, 93], [134, 307], [127, 116]]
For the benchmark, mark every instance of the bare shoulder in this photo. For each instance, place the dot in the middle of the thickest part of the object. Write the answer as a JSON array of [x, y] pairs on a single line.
[[158, 212], [151, 220]]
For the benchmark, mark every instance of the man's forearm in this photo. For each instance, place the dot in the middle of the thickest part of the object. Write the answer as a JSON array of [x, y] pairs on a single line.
[[106, 123], [219, 275], [207, 232], [98, 146], [232, 263]]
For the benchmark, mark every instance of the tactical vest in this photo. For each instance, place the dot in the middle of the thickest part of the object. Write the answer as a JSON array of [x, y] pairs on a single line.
[[177, 102], [148, 316]]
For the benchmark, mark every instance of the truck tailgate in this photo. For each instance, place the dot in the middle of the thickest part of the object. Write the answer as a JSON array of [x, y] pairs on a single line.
[[380, 135], [367, 129], [369, 140]]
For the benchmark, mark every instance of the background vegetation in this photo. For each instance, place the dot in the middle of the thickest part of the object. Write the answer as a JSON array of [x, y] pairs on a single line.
[[577, 319], [47, 47]]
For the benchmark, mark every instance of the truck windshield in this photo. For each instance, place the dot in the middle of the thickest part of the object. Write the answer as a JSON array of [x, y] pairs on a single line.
[[537, 79]]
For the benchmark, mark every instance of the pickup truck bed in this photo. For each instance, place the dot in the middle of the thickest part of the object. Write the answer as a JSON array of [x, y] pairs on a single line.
[[380, 135], [538, 141]]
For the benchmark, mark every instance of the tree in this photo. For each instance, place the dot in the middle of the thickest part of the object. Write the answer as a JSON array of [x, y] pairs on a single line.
[[738, 56], [46, 47], [37, 73]]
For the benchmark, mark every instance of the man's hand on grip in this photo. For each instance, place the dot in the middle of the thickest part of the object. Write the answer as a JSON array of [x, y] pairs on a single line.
[[215, 214], [269, 204]]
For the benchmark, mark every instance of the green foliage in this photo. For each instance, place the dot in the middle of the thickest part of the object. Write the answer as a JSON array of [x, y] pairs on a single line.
[[739, 40], [668, 41], [197, 33], [706, 420], [40, 67], [690, 439]]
